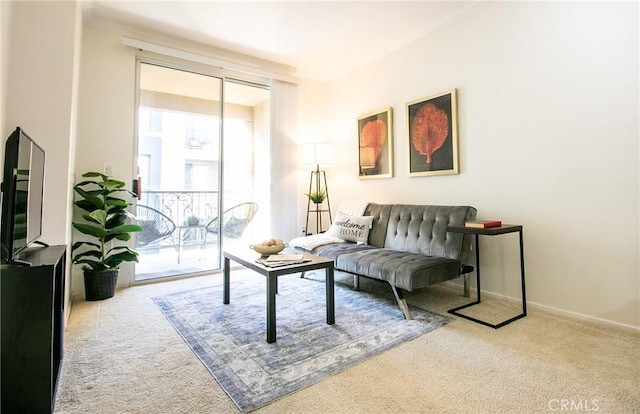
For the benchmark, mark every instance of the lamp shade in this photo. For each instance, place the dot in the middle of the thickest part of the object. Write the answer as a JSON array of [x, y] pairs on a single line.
[[317, 155]]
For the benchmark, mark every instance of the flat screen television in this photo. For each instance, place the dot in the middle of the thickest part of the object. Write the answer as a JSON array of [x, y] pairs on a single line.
[[22, 194]]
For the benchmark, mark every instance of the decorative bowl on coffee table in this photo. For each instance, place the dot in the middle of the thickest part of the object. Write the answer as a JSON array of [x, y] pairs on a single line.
[[265, 251]]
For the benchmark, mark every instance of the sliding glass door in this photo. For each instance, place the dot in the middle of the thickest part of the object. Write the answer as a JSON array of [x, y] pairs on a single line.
[[197, 135]]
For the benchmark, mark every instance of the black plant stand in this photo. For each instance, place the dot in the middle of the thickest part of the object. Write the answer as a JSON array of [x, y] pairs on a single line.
[[320, 179]]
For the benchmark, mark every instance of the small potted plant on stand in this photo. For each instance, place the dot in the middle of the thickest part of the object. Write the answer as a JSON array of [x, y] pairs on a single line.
[[317, 197], [105, 220]]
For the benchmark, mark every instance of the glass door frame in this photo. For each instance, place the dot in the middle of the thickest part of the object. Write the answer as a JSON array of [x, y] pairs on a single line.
[[224, 76]]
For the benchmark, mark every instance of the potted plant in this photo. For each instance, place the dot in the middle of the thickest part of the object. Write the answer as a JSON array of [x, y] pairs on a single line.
[[104, 220], [317, 197], [193, 221]]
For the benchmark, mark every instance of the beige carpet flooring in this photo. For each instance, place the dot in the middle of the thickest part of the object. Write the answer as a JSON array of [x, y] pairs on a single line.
[[123, 356]]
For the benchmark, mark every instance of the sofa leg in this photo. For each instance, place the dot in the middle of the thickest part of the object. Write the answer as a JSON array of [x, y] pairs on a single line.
[[401, 302], [356, 282], [465, 273], [467, 287]]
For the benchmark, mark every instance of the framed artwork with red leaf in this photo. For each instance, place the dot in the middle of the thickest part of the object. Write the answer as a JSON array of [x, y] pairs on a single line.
[[375, 144], [433, 135]]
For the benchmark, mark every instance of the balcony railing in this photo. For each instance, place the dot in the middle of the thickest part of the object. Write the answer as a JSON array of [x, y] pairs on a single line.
[[181, 206], [188, 249]]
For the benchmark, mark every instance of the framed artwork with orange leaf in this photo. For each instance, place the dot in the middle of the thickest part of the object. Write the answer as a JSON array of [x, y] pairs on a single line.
[[375, 139], [433, 135]]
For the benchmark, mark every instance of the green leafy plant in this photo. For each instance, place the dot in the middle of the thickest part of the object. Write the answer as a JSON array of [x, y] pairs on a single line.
[[317, 197], [193, 221], [105, 220]]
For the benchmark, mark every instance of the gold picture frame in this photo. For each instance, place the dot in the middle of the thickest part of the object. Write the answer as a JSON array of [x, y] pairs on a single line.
[[375, 144], [433, 135]]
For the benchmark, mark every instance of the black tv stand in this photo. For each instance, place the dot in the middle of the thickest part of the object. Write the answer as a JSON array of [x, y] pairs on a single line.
[[31, 330]]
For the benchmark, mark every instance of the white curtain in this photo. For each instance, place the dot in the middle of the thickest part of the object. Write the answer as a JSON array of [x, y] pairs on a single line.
[[284, 163]]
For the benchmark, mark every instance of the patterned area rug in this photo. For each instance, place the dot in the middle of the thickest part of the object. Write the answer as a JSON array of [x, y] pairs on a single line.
[[230, 340]]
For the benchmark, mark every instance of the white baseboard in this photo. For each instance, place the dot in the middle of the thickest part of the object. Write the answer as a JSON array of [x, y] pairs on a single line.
[[551, 309]]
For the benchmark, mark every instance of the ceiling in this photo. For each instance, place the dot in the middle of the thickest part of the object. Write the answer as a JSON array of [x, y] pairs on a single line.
[[318, 39]]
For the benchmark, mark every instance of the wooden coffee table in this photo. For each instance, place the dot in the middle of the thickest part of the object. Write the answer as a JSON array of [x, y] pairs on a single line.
[[247, 258]]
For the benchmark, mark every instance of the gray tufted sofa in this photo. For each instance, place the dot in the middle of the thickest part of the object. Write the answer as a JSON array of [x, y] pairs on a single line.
[[408, 246]]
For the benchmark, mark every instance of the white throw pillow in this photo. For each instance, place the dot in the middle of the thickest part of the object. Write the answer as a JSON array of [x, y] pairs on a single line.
[[351, 228]]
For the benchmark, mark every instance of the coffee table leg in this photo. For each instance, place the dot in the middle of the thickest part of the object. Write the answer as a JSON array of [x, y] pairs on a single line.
[[331, 318], [226, 282], [272, 287]]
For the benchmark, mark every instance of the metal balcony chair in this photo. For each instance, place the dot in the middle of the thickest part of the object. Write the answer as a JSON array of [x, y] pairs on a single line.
[[156, 226], [234, 221]]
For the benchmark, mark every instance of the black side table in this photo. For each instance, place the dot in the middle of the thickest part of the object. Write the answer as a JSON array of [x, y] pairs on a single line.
[[494, 231]]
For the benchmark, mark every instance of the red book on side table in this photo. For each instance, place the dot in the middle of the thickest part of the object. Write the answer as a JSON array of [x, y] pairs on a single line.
[[483, 224]]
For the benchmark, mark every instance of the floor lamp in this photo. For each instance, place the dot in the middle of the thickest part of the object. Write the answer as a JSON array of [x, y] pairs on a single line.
[[317, 154]]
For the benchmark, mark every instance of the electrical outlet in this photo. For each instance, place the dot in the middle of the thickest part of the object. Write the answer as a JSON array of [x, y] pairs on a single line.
[[302, 229], [107, 168]]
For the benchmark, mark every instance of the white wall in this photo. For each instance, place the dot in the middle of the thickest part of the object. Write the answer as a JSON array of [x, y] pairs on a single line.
[[313, 126], [39, 95], [40, 42], [106, 116], [5, 12], [548, 132]]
